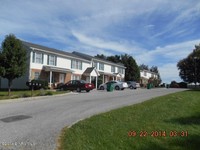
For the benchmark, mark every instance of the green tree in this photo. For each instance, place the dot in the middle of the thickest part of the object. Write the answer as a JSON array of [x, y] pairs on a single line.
[[132, 69], [12, 59], [115, 59], [189, 67], [144, 67]]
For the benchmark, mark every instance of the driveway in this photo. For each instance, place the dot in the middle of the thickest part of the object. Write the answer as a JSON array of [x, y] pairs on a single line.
[[35, 124]]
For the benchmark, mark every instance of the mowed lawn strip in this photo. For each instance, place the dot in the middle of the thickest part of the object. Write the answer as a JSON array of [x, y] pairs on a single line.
[[167, 122], [27, 93]]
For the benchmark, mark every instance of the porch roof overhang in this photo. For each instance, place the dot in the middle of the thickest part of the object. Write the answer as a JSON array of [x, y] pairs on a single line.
[[91, 70], [56, 69]]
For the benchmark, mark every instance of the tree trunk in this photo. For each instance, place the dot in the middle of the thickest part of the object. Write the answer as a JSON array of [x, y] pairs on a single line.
[[9, 86]]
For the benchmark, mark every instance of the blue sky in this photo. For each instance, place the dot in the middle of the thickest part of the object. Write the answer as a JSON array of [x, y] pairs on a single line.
[[156, 33]]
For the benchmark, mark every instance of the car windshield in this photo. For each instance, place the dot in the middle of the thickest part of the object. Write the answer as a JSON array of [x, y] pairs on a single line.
[[82, 81]]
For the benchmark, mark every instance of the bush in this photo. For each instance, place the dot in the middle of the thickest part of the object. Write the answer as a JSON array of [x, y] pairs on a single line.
[[25, 95], [49, 93], [40, 84], [182, 85]]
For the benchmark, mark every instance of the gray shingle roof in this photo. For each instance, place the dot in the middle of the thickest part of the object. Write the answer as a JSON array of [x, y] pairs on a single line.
[[88, 57], [50, 49]]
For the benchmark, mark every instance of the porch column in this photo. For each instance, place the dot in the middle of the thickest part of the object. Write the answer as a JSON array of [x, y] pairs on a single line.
[[96, 81], [50, 78], [113, 78], [103, 79], [90, 78]]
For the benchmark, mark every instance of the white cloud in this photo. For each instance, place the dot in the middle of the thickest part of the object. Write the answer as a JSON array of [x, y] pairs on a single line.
[[120, 46], [169, 72]]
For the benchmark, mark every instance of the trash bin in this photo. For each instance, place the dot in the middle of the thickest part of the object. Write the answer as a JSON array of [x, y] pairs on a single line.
[[148, 86], [110, 87]]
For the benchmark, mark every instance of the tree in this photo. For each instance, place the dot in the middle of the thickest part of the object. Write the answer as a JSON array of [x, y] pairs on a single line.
[[144, 67], [115, 59], [189, 67], [132, 69], [12, 59]]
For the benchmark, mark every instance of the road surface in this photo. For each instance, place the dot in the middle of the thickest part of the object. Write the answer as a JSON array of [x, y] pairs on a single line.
[[35, 124]]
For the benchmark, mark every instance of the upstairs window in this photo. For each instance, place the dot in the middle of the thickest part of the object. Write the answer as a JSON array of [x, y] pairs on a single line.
[[113, 69], [94, 64], [38, 57], [75, 64], [101, 66], [121, 70], [51, 60]]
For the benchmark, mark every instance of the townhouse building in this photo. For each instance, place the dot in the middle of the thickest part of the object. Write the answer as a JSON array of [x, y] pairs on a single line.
[[145, 75], [107, 70], [56, 66]]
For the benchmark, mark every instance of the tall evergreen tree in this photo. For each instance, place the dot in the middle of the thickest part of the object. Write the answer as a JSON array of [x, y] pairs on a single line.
[[12, 59]]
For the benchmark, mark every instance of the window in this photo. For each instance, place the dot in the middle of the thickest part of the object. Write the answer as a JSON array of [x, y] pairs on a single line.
[[36, 75], [51, 60], [75, 64], [120, 70], [101, 66], [75, 77], [94, 64], [145, 73], [37, 57], [112, 68]]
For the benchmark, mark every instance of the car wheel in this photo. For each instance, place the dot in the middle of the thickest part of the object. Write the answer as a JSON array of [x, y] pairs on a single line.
[[62, 89], [122, 89], [87, 90], [101, 88], [117, 88], [131, 87], [78, 90]]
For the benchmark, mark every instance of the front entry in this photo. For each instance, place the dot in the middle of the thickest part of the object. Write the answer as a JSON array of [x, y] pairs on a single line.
[[61, 78]]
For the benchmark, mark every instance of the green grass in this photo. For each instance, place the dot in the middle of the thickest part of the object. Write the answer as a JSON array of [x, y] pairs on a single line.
[[109, 131], [27, 93]]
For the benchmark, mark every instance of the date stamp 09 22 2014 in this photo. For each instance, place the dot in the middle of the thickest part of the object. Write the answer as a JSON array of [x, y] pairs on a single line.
[[172, 133]]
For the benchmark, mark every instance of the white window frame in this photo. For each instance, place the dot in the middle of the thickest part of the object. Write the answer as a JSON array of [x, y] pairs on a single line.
[[38, 57], [52, 60], [75, 64], [113, 69], [101, 66]]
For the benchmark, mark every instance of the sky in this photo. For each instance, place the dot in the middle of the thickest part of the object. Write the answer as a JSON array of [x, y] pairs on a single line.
[[155, 32]]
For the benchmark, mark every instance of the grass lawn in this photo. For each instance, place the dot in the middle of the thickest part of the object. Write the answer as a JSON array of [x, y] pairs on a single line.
[[27, 93], [169, 122]]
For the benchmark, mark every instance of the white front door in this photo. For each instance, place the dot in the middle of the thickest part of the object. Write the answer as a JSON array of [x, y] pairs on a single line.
[[62, 78]]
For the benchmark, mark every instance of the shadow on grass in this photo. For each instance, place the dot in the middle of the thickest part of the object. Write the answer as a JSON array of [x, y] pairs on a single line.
[[186, 120], [187, 143]]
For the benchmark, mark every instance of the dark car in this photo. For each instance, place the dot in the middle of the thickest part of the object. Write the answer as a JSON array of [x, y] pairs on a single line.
[[132, 84], [77, 85]]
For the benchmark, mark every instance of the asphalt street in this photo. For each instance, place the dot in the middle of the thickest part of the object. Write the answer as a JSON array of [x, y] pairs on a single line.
[[35, 123]]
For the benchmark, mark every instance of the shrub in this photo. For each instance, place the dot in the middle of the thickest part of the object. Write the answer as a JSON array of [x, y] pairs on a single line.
[[25, 95], [182, 85], [39, 84], [49, 93]]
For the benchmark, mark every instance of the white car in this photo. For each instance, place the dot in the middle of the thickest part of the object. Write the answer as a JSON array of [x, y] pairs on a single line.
[[118, 85]]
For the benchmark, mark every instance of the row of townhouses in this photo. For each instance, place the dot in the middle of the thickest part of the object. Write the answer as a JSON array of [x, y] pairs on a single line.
[[56, 66], [145, 75]]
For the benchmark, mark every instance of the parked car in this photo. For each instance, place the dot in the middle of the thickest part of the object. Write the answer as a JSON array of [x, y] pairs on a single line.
[[132, 84], [77, 85], [137, 85], [118, 85]]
